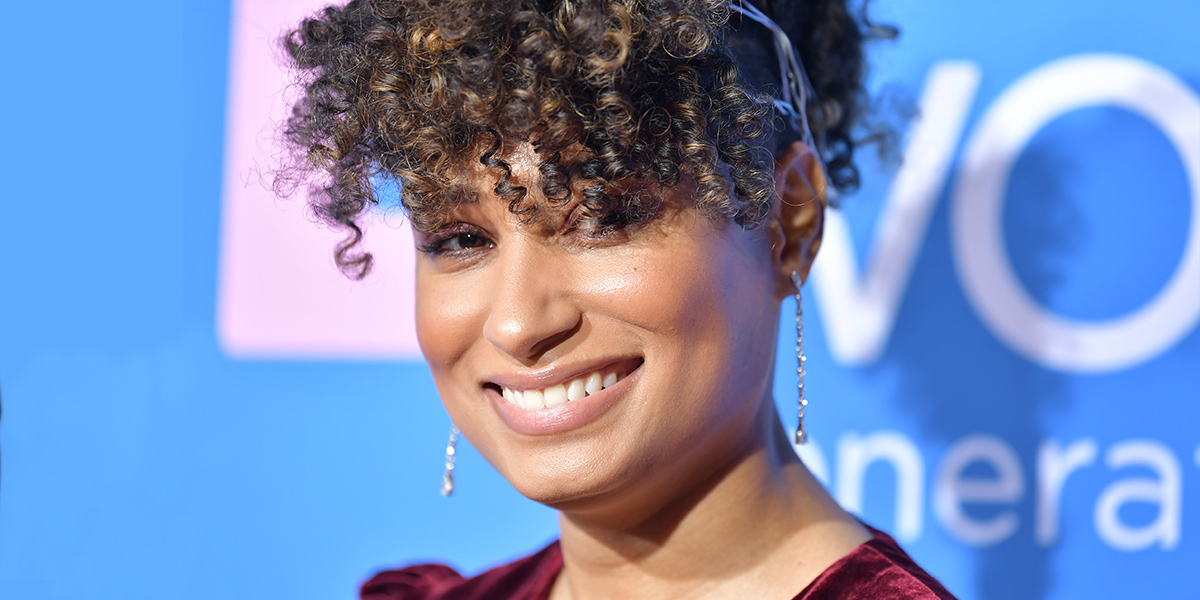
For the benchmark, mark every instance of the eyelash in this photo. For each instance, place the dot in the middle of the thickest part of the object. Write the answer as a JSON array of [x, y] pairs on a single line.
[[436, 246]]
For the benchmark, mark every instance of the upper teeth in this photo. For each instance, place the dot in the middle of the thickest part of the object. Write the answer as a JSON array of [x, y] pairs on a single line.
[[557, 395]]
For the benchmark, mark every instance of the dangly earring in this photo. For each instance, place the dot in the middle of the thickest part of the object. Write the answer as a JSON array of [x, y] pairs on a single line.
[[448, 477], [801, 435]]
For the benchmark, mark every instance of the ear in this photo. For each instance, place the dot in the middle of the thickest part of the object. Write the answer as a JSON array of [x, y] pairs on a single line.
[[799, 214]]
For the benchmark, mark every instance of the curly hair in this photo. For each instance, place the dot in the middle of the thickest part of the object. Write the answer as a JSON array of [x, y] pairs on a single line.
[[604, 90]]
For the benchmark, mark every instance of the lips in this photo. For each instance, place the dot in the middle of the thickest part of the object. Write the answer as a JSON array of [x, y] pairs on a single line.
[[529, 406], [562, 393]]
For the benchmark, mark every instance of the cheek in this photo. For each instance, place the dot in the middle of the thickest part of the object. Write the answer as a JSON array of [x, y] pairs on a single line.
[[705, 303], [731, 307], [721, 287], [447, 320], [659, 294]]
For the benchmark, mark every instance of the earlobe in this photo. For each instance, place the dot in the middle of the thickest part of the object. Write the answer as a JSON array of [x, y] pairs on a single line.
[[799, 209]]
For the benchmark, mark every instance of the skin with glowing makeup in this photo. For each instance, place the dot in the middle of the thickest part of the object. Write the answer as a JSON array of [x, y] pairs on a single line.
[[613, 357], [623, 377]]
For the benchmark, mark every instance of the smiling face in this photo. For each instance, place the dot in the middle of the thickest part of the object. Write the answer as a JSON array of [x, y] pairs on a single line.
[[590, 364]]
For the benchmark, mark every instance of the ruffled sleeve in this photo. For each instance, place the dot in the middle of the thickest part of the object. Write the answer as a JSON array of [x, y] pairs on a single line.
[[529, 578], [414, 583]]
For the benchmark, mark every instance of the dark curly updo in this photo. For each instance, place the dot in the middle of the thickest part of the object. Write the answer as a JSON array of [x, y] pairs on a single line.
[[604, 90]]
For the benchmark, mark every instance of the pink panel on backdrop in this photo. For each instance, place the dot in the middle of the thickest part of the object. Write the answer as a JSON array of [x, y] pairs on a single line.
[[279, 295]]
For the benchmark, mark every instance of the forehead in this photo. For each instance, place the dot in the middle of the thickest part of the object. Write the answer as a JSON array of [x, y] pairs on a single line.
[[521, 159], [487, 176], [524, 162]]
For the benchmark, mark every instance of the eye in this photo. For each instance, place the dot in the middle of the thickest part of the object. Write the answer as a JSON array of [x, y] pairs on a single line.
[[462, 241], [456, 240]]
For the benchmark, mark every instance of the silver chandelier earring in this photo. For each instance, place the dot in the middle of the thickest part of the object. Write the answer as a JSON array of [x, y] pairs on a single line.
[[801, 435], [448, 477]]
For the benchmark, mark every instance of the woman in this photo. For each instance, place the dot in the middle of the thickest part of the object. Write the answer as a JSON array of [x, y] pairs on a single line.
[[611, 200]]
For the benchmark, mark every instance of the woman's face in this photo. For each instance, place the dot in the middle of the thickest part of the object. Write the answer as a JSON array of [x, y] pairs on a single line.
[[681, 313]]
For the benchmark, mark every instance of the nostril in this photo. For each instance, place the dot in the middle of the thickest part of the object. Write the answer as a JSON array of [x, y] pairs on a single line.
[[528, 319]]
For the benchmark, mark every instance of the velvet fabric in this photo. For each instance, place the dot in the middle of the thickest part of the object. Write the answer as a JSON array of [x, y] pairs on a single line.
[[876, 570]]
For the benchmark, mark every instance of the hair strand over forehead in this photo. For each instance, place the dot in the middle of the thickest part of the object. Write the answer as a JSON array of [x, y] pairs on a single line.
[[604, 90]]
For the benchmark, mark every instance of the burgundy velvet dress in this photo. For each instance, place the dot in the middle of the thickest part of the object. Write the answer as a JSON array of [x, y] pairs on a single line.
[[876, 570]]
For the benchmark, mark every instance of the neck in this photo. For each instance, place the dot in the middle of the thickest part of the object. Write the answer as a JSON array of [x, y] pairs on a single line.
[[740, 531]]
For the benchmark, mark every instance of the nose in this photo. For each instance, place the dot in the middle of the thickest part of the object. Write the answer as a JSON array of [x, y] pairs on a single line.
[[533, 308]]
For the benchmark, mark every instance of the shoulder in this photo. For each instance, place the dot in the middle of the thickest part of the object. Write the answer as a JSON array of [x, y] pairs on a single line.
[[878, 568], [527, 578]]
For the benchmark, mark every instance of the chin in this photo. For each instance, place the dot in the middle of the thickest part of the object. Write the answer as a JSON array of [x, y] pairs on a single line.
[[562, 497], [570, 480]]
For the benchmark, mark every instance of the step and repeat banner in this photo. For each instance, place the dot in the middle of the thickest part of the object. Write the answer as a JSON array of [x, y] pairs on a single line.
[[1002, 326]]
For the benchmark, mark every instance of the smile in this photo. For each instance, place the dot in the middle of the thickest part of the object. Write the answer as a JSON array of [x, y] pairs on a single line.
[[558, 395], [565, 404]]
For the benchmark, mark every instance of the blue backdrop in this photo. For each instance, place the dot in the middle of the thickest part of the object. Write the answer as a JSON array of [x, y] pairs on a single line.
[[1005, 364]]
